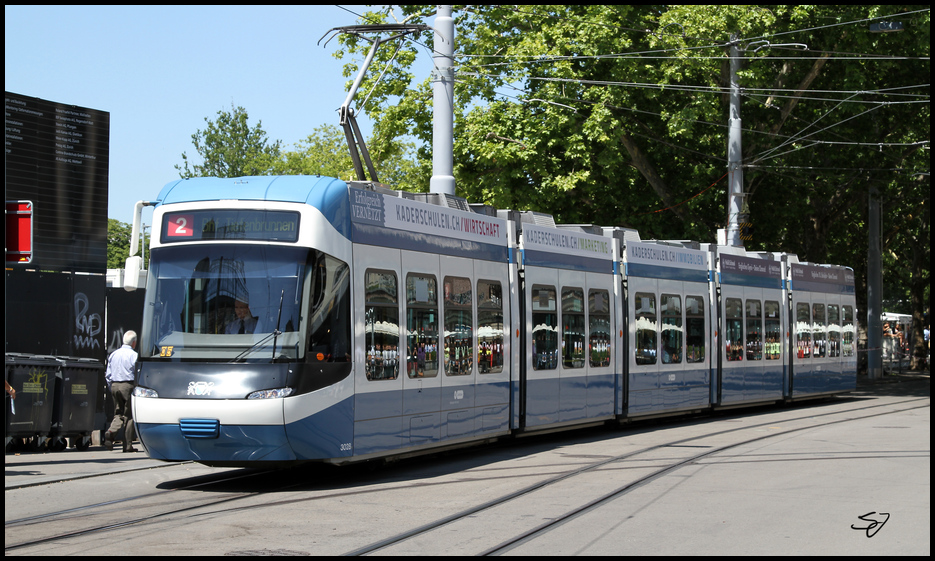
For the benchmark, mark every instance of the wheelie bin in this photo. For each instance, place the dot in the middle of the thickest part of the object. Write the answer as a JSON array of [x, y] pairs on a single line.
[[34, 378], [79, 396]]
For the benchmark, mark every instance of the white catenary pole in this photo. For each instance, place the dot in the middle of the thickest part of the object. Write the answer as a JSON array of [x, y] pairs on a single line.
[[443, 180], [734, 156]]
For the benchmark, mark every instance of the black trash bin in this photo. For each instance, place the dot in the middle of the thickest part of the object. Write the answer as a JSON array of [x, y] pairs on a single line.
[[78, 399], [34, 378]]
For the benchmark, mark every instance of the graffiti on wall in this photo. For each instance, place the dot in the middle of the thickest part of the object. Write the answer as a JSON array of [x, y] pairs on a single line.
[[86, 326]]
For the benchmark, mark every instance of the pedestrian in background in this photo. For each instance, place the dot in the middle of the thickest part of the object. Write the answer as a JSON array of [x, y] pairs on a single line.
[[121, 379]]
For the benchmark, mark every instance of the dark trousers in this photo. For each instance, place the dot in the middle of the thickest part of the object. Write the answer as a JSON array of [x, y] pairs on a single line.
[[123, 413]]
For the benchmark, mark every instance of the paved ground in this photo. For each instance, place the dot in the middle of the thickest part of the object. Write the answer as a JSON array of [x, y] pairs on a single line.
[[37, 468], [859, 487]]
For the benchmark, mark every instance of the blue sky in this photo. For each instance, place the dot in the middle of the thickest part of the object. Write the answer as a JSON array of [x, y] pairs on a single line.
[[160, 70]]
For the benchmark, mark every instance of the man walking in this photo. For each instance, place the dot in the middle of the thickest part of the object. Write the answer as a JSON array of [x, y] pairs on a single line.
[[121, 379]]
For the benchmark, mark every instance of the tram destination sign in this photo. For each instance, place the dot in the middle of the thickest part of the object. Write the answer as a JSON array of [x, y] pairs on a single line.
[[230, 224]]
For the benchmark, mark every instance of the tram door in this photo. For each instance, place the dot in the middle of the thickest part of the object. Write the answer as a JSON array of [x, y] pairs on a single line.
[[493, 345], [643, 395], [459, 352], [543, 300], [422, 324], [600, 328], [379, 289]]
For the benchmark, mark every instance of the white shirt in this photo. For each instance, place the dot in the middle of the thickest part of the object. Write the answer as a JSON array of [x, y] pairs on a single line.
[[120, 365]]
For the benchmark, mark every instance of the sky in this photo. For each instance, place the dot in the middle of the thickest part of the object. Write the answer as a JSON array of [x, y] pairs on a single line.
[[160, 70]]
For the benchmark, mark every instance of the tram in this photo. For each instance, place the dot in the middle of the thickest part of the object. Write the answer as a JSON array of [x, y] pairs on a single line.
[[304, 318]]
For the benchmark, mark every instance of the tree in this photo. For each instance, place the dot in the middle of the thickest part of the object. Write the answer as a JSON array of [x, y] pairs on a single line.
[[618, 115], [228, 147], [118, 243], [325, 152]]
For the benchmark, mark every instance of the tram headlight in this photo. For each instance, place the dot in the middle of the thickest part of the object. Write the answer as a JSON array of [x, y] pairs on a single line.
[[140, 391], [271, 394]]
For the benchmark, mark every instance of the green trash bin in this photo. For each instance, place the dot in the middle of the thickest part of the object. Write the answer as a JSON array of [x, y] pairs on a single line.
[[79, 397], [34, 378]]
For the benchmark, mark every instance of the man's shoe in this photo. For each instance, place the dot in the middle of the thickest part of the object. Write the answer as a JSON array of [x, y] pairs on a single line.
[[109, 441], [130, 449]]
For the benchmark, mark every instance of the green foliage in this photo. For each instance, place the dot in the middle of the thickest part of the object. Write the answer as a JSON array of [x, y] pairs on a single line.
[[324, 152], [228, 147], [618, 115], [118, 243]]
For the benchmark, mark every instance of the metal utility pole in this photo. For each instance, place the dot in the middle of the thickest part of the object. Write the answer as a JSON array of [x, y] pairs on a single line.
[[874, 296], [443, 180], [734, 155], [874, 263]]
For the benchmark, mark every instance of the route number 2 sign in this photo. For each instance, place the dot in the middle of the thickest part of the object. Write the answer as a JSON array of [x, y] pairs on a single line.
[[180, 225]]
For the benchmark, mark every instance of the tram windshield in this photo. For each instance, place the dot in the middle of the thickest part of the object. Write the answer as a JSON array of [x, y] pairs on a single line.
[[233, 303]]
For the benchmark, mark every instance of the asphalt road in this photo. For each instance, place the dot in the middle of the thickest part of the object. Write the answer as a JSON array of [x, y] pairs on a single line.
[[849, 476]]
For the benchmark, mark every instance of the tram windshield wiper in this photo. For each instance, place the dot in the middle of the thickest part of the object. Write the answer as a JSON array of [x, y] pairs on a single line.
[[274, 335], [277, 332]]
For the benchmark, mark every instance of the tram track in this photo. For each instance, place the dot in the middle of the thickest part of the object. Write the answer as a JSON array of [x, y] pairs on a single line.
[[93, 475], [57, 516], [506, 545], [110, 508], [111, 515]]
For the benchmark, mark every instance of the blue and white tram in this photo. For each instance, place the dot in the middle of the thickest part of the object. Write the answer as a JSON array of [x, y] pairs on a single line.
[[303, 318], [568, 294], [668, 314], [278, 388], [822, 304], [431, 313], [751, 315], [377, 323]]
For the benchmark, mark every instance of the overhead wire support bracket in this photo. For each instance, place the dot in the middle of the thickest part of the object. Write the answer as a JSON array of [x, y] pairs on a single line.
[[346, 116]]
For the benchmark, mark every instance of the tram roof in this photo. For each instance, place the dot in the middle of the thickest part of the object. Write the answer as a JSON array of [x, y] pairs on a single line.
[[327, 194]]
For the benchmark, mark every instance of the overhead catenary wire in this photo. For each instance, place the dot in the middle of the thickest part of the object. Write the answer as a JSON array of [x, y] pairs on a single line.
[[788, 138], [692, 88], [830, 25], [751, 93], [720, 125], [682, 87]]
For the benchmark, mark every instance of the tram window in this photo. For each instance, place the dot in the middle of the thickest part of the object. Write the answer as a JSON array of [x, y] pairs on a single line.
[[754, 330], [381, 329], [694, 329], [421, 326], [645, 328], [773, 345], [190, 309], [329, 314], [848, 327], [544, 328], [599, 327], [834, 331], [573, 331], [671, 308], [733, 328], [818, 331], [459, 327], [803, 326], [489, 327]]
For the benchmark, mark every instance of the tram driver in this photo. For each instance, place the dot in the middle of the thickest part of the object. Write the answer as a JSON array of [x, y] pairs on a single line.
[[245, 322]]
